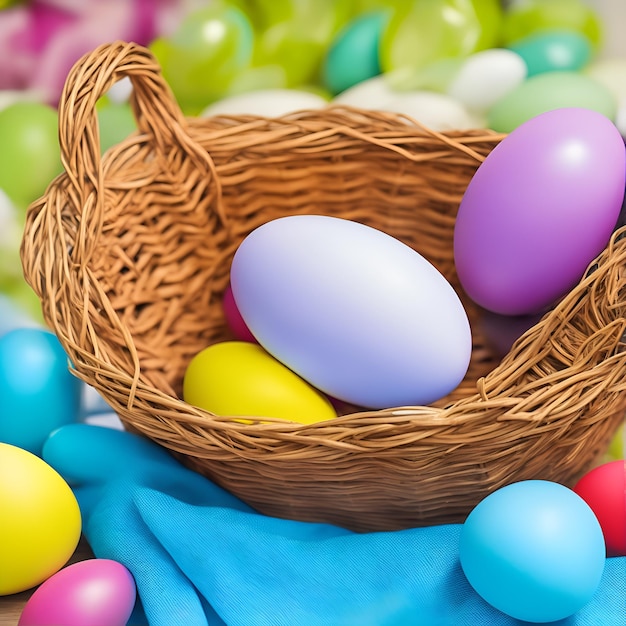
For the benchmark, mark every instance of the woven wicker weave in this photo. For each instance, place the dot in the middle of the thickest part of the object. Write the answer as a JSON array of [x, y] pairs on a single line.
[[130, 256]]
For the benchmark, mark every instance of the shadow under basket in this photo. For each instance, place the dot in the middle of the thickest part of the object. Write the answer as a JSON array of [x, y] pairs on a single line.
[[130, 256]]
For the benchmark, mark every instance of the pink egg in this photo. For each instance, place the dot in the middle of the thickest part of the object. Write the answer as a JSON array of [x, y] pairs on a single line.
[[233, 318], [95, 592]]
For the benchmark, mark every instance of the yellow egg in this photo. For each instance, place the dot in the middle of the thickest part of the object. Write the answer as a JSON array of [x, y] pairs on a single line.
[[40, 520], [239, 378]]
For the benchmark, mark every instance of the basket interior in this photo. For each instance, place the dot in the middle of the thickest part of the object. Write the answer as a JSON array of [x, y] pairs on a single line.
[[169, 231]]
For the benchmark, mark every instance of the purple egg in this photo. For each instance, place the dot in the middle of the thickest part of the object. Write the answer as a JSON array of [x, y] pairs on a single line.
[[539, 209]]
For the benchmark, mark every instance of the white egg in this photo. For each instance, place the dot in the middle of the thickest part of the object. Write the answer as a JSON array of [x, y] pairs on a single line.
[[486, 77], [435, 110], [373, 93], [10, 227], [121, 91], [266, 103]]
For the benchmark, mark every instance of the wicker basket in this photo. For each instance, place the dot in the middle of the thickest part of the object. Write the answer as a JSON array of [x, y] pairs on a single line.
[[130, 256]]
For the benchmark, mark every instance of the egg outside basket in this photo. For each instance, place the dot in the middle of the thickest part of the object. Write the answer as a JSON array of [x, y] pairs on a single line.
[[130, 255]]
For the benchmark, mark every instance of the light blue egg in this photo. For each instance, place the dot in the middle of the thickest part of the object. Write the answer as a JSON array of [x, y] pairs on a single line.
[[534, 550], [38, 394], [353, 56], [549, 51]]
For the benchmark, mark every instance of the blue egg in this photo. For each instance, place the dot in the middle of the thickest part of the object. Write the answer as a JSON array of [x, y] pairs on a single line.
[[534, 550], [353, 55], [37, 391]]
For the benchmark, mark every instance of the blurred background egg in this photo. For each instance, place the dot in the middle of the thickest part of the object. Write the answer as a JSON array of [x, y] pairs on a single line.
[[353, 55], [553, 50], [94, 592], [435, 110], [238, 378], [355, 312], [37, 391], [266, 103], [485, 77], [604, 489], [39, 520], [538, 210], [547, 92], [534, 550], [611, 72], [525, 18], [373, 93], [30, 155]]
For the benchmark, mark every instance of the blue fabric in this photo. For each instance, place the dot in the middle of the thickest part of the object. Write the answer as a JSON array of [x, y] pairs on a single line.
[[202, 557]]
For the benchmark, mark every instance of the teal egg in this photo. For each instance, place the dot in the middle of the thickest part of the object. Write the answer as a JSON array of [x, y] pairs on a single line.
[[38, 393], [546, 92], [550, 51], [353, 56]]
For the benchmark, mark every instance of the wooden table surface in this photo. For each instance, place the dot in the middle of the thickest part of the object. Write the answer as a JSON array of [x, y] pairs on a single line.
[[11, 606]]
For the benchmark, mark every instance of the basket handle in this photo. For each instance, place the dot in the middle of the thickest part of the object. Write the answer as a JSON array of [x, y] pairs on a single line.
[[156, 112]]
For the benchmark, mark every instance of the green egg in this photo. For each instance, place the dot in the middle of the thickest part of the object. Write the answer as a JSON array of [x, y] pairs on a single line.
[[548, 91], [116, 123], [549, 51], [532, 16], [30, 156], [422, 32], [208, 50]]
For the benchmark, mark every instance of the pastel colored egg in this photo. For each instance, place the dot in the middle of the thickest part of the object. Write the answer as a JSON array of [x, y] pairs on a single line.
[[486, 77], [239, 378], [205, 53], [39, 518], [538, 210], [38, 393], [419, 33], [116, 122], [611, 72], [604, 490], [546, 92], [30, 154], [553, 51], [353, 55], [534, 550], [434, 110], [94, 592], [522, 19], [374, 93], [295, 34], [355, 312], [266, 103]]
